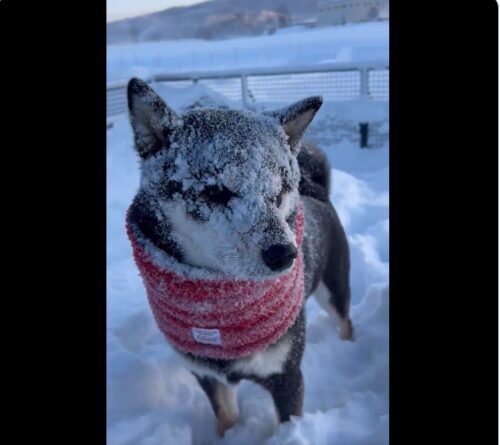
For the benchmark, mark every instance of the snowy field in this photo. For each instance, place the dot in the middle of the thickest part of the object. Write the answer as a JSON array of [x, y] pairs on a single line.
[[151, 398], [349, 43]]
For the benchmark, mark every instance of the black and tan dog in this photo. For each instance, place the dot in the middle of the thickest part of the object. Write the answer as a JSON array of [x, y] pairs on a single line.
[[218, 190]]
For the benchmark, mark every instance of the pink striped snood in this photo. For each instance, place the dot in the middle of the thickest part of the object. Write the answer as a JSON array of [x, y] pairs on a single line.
[[222, 318]]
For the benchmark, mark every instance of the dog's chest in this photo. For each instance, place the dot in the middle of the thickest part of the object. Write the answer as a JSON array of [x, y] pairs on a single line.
[[260, 364]]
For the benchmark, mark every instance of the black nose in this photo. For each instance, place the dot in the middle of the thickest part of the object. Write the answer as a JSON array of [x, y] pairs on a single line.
[[279, 256]]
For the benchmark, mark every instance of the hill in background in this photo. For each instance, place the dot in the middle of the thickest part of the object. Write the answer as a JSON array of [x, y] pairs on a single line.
[[212, 20]]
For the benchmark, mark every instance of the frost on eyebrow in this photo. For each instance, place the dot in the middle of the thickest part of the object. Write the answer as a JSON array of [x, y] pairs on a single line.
[[243, 151]]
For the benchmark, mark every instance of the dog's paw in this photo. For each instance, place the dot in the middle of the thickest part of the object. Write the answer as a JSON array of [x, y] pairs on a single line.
[[225, 423], [346, 331]]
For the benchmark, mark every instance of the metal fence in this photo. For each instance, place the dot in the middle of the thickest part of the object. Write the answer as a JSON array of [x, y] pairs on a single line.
[[340, 81]]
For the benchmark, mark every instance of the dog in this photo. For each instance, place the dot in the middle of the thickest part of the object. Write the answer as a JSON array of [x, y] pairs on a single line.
[[219, 194]]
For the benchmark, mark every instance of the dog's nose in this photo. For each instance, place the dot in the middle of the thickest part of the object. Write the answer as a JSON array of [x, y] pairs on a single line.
[[279, 257]]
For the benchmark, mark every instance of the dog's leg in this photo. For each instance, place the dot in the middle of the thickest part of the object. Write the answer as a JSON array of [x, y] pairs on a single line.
[[223, 400], [324, 298], [287, 391], [334, 292], [287, 387]]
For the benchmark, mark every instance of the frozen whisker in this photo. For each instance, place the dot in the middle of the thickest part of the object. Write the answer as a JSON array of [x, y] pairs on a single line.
[[230, 257]]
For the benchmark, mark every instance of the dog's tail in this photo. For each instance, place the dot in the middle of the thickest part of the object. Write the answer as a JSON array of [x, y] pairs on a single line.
[[315, 172]]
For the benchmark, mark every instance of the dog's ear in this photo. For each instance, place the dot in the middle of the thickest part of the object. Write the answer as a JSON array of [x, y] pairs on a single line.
[[296, 118], [151, 119]]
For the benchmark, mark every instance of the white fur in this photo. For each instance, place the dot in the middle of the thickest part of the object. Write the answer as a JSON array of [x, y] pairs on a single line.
[[322, 295], [288, 202], [199, 249], [202, 371], [344, 326], [267, 362], [212, 247], [261, 364]]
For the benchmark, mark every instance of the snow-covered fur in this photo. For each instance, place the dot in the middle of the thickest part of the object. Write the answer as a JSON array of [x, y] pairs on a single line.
[[217, 197]]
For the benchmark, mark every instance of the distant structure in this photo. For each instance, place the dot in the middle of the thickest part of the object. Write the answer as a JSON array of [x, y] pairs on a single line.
[[340, 12], [384, 12]]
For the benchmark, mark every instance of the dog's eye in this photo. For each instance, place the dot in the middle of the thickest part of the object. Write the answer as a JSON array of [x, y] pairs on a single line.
[[217, 194], [279, 198]]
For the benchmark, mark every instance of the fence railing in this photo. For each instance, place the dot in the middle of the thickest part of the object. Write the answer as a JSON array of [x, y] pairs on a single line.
[[339, 81]]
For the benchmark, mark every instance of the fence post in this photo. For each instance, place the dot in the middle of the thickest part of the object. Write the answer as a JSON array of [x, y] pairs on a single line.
[[244, 91], [364, 78], [363, 134]]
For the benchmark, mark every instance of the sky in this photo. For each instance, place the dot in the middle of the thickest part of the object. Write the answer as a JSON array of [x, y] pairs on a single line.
[[120, 9]]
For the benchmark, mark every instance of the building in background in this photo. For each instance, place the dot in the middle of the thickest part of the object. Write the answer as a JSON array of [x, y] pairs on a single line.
[[340, 12], [384, 12]]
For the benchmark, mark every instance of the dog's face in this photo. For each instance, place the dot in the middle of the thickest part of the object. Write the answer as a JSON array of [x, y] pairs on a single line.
[[225, 180]]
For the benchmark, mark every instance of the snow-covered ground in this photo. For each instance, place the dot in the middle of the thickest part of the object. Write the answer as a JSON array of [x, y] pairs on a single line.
[[298, 47], [153, 400]]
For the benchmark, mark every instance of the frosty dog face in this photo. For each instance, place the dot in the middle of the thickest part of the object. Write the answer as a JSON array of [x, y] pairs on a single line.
[[226, 181]]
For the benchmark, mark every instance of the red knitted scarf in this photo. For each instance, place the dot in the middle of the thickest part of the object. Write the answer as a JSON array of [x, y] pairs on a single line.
[[222, 318]]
